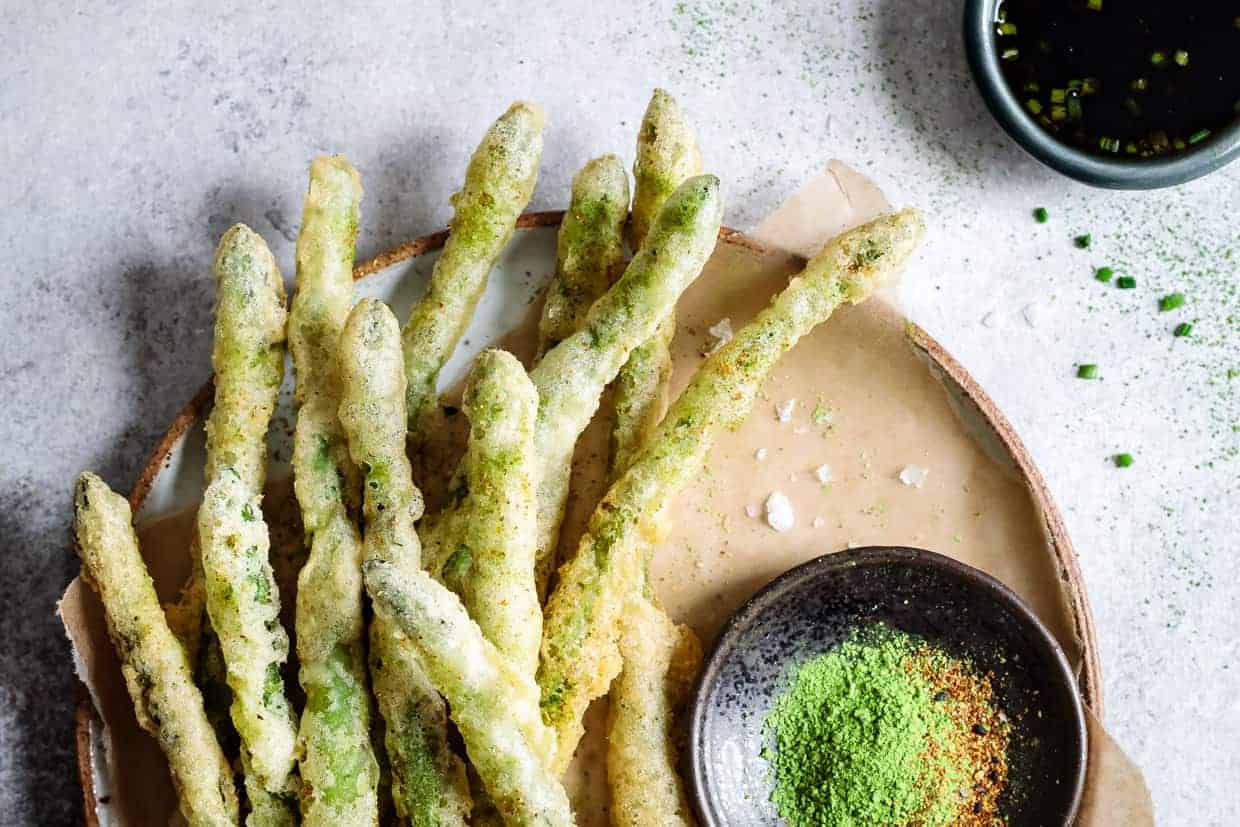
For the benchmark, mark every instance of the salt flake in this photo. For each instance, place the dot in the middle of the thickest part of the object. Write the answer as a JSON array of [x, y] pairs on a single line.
[[783, 411], [914, 475], [823, 473], [779, 514], [722, 332], [760, 454]]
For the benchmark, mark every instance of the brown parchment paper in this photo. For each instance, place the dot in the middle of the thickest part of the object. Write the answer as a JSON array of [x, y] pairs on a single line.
[[881, 408]]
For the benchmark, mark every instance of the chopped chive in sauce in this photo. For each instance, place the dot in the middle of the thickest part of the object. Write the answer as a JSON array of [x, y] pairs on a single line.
[[1040, 215], [1182, 329], [1122, 460], [1199, 136], [1086, 371], [1180, 57], [1158, 57], [1082, 241], [1093, 5], [1171, 301], [1104, 273], [1125, 282]]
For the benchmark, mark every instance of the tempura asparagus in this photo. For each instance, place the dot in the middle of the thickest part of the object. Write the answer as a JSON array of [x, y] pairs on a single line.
[[339, 770], [498, 185], [242, 599], [486, 696], [661, 661], [580, 629], [667, 154], [157, 674], [589, 249], [428, 780], [492, 561], [571, 376]]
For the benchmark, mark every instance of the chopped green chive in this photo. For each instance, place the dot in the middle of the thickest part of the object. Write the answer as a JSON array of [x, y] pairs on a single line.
[[1140, 85], [1075, 111], [1059, 95], [1104, 273], [1125, 282], [1082, 241], [1089, 86], [1180, 57], [1086, 371], [1059, 113], [1093, 5], [1171, 301], [1040, 215], [1034, 105], [1182, 330], [1122, 460], [1107, 144], [1158, 57], [1010, 54], [1199, 136], [1007, 29]]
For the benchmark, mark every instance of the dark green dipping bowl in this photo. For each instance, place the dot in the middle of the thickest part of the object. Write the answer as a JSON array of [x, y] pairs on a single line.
[[1121, 174]]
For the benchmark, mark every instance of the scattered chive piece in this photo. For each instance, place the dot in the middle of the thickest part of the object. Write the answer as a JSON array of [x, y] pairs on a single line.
[[1010, 54], [1139, 85], [1094, 5], [1034, 105], [1082, 241], [1087, 372], [1180, 57], [1104, 273], [1089, 86], [1130, 148], [1058, 95], [1178, 143], [1199, 136], [1007, 28], [1123, 460], [1108, 144], [1125, 282], [1074, 107], [1059, 113], [1158, 57], [1171, 301], [1031, 87], [1182, 330], [1040, 215], [1076, 84]]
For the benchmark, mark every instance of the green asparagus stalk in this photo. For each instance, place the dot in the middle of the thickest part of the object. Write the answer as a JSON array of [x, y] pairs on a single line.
[[589, 249], [498, 185], [667, 154], [339, 770], [492, 562], [428, 780], [157, 673], [580, 623], [571, 376], [496, 713]]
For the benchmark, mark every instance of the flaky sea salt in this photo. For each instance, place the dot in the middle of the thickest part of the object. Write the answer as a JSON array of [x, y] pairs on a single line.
[[760, 454], [783, 411], [914, 475], [752, 510], [722, 333], [823, 473], [819, 522], [779, 514]]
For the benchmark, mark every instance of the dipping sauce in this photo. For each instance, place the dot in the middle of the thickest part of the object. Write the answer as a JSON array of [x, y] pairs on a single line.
[[1135, 78]]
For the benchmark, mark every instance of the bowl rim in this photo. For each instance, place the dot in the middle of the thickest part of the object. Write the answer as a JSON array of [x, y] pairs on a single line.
[[1120, 173], [868, 556]]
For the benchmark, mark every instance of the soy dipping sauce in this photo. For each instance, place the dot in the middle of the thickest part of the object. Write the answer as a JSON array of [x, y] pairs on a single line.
[[1134, 78]]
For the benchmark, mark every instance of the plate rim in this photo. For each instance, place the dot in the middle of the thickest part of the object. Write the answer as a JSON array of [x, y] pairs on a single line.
[[1089, 681]]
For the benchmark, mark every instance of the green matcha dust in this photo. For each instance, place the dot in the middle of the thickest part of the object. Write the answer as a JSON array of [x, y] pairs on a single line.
[[885, 731]]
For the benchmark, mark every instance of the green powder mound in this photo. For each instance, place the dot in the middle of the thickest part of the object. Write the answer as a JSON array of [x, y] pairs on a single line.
[[860, 741]]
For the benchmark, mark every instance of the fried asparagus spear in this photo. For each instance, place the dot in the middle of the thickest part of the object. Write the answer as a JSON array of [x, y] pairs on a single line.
[[589, 249], [339, 770], [667, 154], [661, 660], [496, 713], [571, 376], [492, 562], [498, 184], [157, 673], [242, 599], [428, 780], [580, 626]]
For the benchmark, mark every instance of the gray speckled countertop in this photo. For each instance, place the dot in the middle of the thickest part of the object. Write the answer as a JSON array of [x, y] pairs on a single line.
[[132, 135]]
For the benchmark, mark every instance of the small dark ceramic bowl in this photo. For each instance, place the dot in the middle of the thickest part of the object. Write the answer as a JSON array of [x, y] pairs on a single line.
[[1118, 173], [813, 607]]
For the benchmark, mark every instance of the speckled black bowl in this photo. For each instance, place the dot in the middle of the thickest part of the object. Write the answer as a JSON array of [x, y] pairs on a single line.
[[1113, 173], [815, 606]]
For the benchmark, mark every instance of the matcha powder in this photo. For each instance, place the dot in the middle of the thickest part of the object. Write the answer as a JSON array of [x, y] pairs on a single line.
[[865, 735]]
